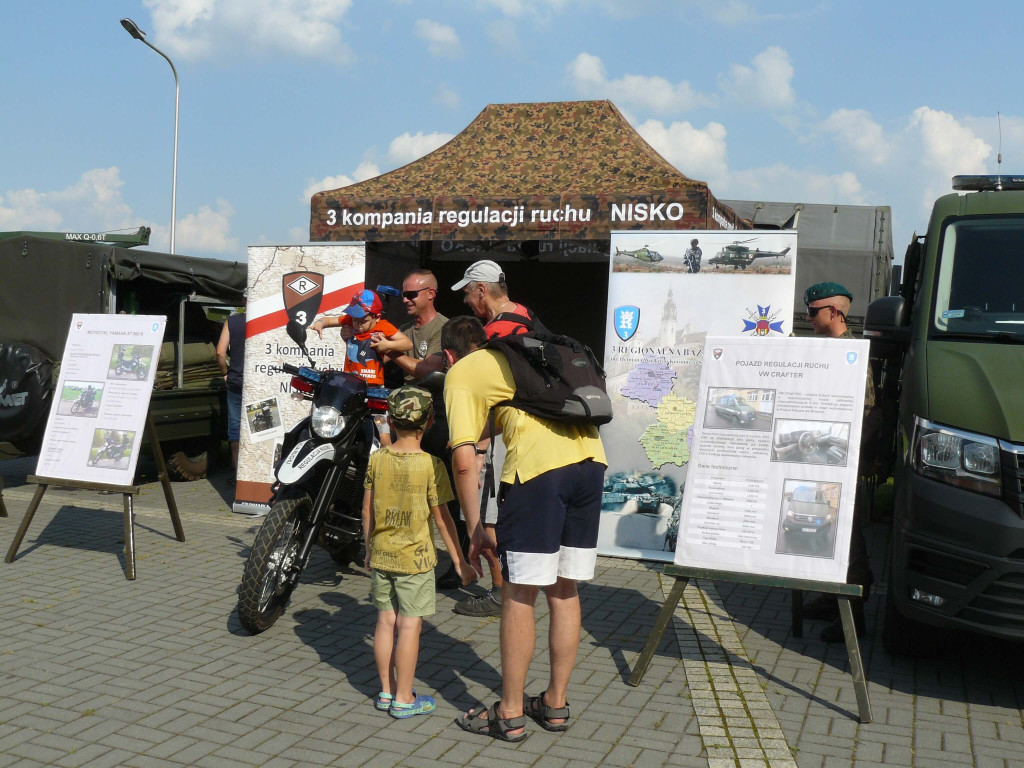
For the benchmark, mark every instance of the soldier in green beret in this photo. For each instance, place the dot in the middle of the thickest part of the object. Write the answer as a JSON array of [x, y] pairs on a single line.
[[828, 304]]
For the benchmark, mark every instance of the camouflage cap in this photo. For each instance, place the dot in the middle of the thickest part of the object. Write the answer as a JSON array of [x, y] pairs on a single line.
[[410, 407], [825, 291]]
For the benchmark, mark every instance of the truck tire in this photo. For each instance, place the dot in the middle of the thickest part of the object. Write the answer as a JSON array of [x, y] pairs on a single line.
[[183, 468], [26, 387]]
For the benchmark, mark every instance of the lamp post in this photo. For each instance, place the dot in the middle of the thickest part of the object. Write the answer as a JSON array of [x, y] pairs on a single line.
[[133, 30]]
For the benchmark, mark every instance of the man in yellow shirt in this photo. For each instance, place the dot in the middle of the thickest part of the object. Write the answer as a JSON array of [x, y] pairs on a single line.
[[549, 513]]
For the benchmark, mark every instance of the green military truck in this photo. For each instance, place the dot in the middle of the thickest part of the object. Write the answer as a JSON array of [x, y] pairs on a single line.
[[952, 344], [48, 276]]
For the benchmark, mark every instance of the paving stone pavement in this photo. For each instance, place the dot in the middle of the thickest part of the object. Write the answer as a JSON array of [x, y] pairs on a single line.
[[96, 670]]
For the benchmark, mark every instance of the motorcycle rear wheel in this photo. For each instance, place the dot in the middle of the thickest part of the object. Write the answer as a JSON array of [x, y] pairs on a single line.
[[267, 583]]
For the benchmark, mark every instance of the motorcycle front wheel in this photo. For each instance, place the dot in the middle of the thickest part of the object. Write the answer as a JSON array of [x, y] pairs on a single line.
[[75, 406], [268, 581]]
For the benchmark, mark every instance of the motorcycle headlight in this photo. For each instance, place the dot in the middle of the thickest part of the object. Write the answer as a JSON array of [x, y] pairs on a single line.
[[956, 457], [327, 422]]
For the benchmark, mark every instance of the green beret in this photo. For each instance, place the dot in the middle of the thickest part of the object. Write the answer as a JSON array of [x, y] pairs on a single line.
[[825, 291]]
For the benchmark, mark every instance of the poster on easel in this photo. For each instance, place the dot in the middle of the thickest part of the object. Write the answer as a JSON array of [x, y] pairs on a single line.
[[98, 413], [773, 470], [301, 283], [667, 292]]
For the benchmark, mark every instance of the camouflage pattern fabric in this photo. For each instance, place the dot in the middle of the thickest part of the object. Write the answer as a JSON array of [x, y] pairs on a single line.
[[410, 407], [548, 171]]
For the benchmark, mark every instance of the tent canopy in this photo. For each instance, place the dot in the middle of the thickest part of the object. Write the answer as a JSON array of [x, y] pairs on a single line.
[[546, 171]]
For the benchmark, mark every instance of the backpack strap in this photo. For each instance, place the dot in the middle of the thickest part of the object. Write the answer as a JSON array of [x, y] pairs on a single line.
[[487, 492]]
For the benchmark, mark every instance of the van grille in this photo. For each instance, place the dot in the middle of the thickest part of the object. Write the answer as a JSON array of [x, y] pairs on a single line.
[[1012, 463]]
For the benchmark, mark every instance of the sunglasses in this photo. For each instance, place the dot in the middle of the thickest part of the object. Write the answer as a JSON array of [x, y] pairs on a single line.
[[812, 311], [411, 295]]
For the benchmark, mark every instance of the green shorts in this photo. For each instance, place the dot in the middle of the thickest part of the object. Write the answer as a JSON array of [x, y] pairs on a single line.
[[408, 594]]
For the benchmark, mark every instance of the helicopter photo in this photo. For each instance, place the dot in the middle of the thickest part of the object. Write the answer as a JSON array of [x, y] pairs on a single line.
[[641, 254], [740, 255]]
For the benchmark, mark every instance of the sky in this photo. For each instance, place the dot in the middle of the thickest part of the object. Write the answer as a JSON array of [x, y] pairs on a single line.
[[836, 102]]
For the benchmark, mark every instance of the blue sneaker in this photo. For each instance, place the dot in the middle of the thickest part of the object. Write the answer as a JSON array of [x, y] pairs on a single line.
[[421, 705]]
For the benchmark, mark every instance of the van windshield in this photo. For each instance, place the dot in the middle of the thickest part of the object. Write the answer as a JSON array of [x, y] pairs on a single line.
[[980, 287], [804, 493]]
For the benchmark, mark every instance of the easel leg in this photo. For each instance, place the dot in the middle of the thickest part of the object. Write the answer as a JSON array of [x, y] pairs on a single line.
[[129, 538], [23, 528], [796, 607], [3, 507], [654, 639], [860, 686], [165, 482]]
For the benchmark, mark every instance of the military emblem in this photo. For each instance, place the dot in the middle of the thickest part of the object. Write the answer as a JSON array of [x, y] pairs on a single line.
[[851, 358], [627, 320], [302, 294], [717, 352], [763, 322]]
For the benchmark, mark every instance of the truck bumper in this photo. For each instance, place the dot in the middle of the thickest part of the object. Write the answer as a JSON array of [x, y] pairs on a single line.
[[964, 547]]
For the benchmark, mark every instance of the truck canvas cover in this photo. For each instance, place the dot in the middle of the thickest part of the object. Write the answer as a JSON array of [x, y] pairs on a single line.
[[45, 281]]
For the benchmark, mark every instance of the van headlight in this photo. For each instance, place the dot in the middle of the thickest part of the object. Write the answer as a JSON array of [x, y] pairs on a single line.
[[956, 457], [327, 422]]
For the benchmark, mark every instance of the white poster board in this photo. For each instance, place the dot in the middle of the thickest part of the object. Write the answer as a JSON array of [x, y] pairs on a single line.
[[665, 296], [303, 282], [773, 475], [99, 412]]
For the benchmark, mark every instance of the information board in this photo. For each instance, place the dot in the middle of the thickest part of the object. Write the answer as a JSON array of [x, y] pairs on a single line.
[[99, 409], [667, 291], [773, 470]]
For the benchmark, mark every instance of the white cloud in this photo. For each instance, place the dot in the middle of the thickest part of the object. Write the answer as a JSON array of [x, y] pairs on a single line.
[[408, 147], [198, 28], [588, 75], [855, 130], [365, 170], [504, 36], [781, 183], [698, 153], [449, 97], [441, 39], [766, 83], [92, 204], [207, 230], [947, 148]]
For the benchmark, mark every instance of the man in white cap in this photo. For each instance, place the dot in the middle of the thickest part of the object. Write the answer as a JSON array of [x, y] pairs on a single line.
[[486, 293]]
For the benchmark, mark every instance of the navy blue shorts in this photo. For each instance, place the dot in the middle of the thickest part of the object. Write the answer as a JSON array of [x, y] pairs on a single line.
[[547, 526]]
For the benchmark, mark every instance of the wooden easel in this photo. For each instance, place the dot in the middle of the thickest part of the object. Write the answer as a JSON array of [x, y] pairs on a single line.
[[3, 507], [844, 592], [128, 492]]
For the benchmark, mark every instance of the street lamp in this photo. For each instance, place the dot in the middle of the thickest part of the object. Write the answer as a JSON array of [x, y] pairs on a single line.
[[133, 30]]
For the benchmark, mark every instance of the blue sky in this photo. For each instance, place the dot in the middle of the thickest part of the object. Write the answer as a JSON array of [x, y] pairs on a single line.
[[876, 103]]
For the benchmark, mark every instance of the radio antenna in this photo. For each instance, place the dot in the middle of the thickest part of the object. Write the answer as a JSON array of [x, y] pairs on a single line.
[[999, 153]]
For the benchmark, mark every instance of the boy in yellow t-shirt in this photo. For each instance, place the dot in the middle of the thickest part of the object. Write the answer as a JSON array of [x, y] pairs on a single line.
[[406, 488]]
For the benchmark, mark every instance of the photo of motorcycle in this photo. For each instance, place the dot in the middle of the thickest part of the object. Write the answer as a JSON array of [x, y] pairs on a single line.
[[132, 365], [84, 401], [113, 450], [318, 490]]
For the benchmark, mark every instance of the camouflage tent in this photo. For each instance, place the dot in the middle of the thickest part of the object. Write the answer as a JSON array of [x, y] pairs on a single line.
[[524, 172]]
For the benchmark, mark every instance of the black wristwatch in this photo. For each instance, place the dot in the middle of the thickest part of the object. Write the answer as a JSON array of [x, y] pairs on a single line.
[[479, 451]]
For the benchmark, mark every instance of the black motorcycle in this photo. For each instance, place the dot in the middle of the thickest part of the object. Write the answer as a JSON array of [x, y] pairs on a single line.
[[318, 493], [111, 451], [84, 401], [133, 365]]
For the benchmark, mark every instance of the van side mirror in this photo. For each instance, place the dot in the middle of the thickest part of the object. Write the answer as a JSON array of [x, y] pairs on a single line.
[[886, 322]]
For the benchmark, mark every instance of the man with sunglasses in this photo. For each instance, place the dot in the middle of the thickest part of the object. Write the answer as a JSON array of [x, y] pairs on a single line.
[[828, 304], [419, 290]]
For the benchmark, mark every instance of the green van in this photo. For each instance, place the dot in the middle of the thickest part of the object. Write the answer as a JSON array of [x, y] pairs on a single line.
[[953, 346]]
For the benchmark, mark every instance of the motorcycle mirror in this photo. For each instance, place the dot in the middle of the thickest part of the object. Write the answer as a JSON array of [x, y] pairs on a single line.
[[433, 381], [297, 332]]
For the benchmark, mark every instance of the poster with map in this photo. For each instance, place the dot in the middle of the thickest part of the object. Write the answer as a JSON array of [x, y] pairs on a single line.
[[667, 292]]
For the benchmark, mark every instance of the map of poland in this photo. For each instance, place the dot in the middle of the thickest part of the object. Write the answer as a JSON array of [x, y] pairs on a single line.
[[649, 382], [664, 441]]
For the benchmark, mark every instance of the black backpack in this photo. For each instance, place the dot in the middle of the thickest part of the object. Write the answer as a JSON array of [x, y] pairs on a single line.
[[556, 377]]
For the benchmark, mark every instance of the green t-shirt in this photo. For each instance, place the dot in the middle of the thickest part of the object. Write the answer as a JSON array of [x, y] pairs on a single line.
[[426, 339], [405, 487]]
